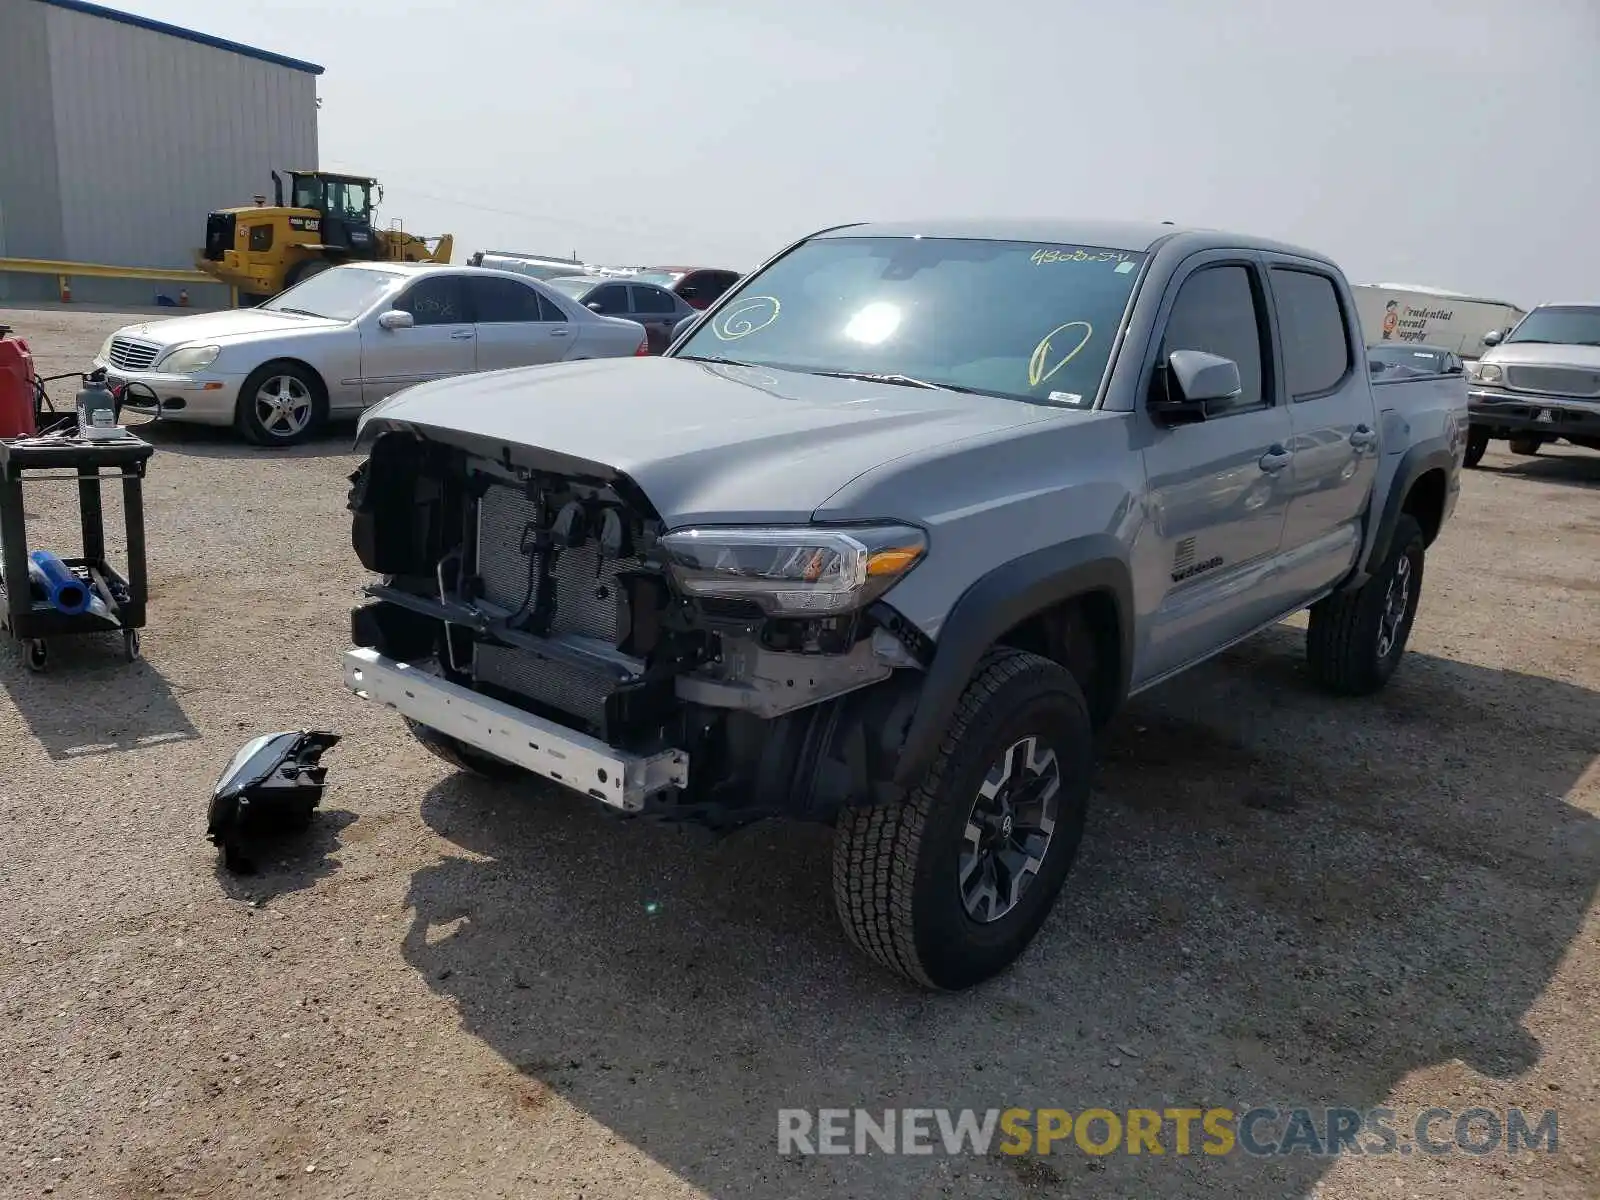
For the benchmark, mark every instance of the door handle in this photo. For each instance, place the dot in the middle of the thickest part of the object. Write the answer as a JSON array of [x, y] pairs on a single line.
[[461, 335], [1363, 437], [560, 331], [1275, 460]]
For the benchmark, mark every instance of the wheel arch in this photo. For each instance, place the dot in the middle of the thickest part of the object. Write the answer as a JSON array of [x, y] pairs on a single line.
[[1430, 465], [1028, 603]]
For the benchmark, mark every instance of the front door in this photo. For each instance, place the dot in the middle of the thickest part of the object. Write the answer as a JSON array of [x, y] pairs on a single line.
[[1335, 438], [516, 326], [441, 342], [1218, 489]]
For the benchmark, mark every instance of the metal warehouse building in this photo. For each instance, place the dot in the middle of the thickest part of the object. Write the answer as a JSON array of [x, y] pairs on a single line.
[[119, 134]]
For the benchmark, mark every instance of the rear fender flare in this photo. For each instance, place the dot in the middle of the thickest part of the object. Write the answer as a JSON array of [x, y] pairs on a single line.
[[997, 603], [1414, 463]]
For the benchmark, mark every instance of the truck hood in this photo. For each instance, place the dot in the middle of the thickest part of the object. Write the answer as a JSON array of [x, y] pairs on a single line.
[[705, 442], [216, 327], [1543, 354]]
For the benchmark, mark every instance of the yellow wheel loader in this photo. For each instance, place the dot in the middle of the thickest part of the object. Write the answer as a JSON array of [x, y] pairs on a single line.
[[263, 249]]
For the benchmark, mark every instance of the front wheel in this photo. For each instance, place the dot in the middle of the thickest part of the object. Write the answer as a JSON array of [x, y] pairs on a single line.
[[281, 404], [948, 887], [1354, 640]]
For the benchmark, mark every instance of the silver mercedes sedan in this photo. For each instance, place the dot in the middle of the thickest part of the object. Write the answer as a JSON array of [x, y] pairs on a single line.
[[347, 337]]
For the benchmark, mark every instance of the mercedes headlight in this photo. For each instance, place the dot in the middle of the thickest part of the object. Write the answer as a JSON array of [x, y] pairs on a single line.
[[794, 572], [1487, 373], [189, 360], [105, 349]]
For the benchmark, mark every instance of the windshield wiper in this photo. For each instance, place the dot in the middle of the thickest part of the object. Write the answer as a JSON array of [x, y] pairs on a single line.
[[712, 358], [299, 312], [899, 381]]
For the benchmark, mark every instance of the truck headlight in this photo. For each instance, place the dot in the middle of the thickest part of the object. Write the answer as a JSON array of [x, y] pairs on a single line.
[[797, 571], [189, 359], [1487, 373]]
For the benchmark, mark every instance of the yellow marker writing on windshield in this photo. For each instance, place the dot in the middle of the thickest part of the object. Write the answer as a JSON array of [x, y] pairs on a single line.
[[1039, 368]]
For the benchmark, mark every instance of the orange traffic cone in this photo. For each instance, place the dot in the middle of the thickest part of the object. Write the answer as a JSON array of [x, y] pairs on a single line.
[[183, 298], [66, 290]]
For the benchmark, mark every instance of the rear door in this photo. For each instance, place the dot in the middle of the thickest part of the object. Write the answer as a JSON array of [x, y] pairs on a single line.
[[441, 342], [657, 310], [516, 326], [1218, 488], [1335, 439]]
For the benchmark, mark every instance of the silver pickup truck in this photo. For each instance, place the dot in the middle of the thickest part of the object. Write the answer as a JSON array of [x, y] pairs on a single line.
[[1538, 382], [887, 534]]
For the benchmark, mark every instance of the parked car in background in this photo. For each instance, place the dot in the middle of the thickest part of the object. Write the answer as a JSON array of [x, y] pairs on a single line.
[[650, 304], [1538, 382], [1394, 361], [700, 286], [346, 338]]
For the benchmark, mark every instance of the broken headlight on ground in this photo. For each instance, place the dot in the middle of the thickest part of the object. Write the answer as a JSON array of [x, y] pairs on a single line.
[[272, 786]]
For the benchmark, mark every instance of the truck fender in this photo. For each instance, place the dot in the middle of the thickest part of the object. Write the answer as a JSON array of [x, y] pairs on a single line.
[[994, 605], [1414, 463]]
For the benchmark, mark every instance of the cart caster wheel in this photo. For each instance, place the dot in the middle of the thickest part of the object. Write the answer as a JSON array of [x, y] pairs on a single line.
[[38, 651], [130, 645]]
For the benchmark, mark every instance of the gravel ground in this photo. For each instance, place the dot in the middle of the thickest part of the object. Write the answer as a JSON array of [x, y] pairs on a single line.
[[454, 988]]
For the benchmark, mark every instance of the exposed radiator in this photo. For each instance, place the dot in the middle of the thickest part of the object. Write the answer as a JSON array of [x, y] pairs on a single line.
[[587, 603]]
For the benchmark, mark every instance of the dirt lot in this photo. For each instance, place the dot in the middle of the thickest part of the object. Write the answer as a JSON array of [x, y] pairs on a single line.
[[461, 989]]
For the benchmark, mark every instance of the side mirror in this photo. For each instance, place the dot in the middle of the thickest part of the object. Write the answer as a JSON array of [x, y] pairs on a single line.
[[593, 306], [1195, 379], [395, 319], [681, 326], [1493, 338]]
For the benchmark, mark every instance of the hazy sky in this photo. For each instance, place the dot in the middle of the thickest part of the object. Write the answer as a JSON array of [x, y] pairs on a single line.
[[1445, 142]]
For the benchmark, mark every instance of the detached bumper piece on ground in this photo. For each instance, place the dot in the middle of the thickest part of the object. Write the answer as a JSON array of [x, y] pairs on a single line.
[[44, 597], [269, 789]]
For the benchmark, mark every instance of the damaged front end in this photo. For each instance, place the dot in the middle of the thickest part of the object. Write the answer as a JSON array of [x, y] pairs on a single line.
[[537, 610]]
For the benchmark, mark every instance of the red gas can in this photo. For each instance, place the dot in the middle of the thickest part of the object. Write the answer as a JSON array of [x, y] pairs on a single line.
[[16, 387]]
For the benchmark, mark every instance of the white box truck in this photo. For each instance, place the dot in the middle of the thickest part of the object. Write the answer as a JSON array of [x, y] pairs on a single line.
[[1402, 312]]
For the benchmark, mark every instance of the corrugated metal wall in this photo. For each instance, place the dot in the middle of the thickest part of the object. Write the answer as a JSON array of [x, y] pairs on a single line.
[[30, 196], [153, 132]]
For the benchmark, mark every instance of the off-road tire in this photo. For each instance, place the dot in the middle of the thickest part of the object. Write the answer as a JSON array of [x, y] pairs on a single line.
[[1477, 444], [1342, 638], [895, 866], [1528, 444], [461, 756], [248, 423]]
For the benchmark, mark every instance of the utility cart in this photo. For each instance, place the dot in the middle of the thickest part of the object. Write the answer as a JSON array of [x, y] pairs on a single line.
[[118, 603]]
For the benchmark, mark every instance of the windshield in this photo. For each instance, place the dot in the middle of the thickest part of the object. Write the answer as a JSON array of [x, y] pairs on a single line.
[[576, 288], [1566, 325], [338, 293], [336, 197], [1426, 361], [1025, 320]]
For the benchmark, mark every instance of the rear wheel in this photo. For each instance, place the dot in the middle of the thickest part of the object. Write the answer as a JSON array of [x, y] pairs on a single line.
[[281, 404], [1355, 640], [1526, 443], [949, 886], [1477, 443]]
